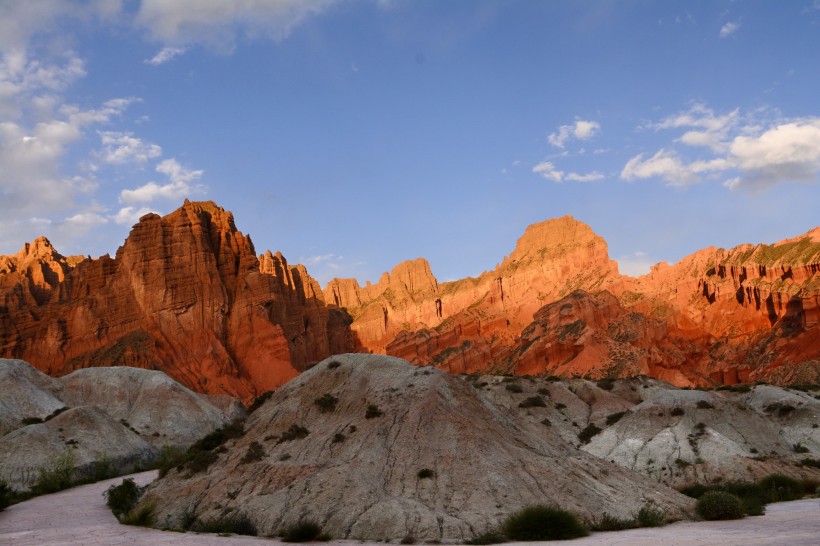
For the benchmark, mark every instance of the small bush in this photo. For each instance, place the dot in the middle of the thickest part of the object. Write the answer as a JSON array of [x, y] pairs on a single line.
[[101, 469], [607, 383], [612, 523], [304, 531], [259, 400], [512, 387], [613, 418], [703, 404], [200, 461], [544, 392], [169, 457], [543, 523], [650, 516], [719, 505], [32, 420], [372, 412], [676, 412], [533, 402], [780, 408], [6, 495], [778, 488], [682, 464], [425, 473], [122, 498], [295, 432], [800, 448], [220, 436], [560, 406], [142, 516], [333, 364], [546, 422], [326, 402], [255, 452], [814, 463], [339, 437], [491, 537], [57, 474], [588, 433], [237, 524]]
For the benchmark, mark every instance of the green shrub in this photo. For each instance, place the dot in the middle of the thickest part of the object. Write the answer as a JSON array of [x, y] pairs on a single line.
[[543, 523], [425, 473], [6, 495], [122, 498], [219, 436], [800, 448], [719, 505], [607, 383], [777, 488], [512, 387], [703, 404], [259, 400], [490, 537], [533, 402], [326, 403], [339, 437], [200, 461], [57, 474], [237, 524], [32, 420], [613, 418], [559, 406], [255, 452], [295, 432], [612, 523], [676, 412], [814, 463], [587, 434], [304, 531], [142, 516], [169, 457], [650, 516], [372, 411]]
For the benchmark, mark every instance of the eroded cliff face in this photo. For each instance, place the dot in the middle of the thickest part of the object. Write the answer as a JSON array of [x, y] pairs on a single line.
[[185, 294], [557, 305]]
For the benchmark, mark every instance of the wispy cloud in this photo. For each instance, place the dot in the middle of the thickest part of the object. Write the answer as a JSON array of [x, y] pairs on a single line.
[[729, 29], [747, 152], [580, 130], [548, 171], [120, 148], [180, 185], [164, 55]]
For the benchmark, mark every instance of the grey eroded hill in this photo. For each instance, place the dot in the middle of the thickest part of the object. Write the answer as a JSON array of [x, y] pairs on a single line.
[[373, 448], [676, 436], [118, 416]]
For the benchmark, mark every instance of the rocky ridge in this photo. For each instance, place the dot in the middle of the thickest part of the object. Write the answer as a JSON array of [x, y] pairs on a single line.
[[118, 417], [372, 448]]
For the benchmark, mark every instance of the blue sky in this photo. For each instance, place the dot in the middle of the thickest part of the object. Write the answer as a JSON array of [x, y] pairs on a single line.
[[352, 135]]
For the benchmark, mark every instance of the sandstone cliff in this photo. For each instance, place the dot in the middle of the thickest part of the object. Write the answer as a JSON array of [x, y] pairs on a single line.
[[185, 294]]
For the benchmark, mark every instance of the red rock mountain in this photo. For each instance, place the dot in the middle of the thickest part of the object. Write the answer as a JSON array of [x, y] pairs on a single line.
[[186, 294]]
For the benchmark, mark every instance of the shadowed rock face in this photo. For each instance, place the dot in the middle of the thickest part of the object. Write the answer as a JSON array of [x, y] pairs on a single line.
[[185, 295], [397, 451], [117, 416]]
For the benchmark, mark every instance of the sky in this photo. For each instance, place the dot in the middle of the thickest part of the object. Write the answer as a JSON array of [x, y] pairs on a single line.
[[354, 134]]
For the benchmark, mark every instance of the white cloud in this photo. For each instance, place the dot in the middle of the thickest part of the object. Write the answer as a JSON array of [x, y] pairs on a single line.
[[663, 164], [130, 215], [635, 265], [581, 130], [120, 148], [218, 23], [588, 177], [178, 187], [729, 28], [548, 171], [754, 154], [164, 55]]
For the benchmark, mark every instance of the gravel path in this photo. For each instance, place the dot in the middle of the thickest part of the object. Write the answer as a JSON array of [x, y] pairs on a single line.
[[79, 516]]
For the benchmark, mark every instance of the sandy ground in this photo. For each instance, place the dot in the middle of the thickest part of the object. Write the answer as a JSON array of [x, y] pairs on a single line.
[[79, 516]]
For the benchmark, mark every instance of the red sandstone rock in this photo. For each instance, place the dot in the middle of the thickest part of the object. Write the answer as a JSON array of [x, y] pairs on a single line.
[[185, 294]]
